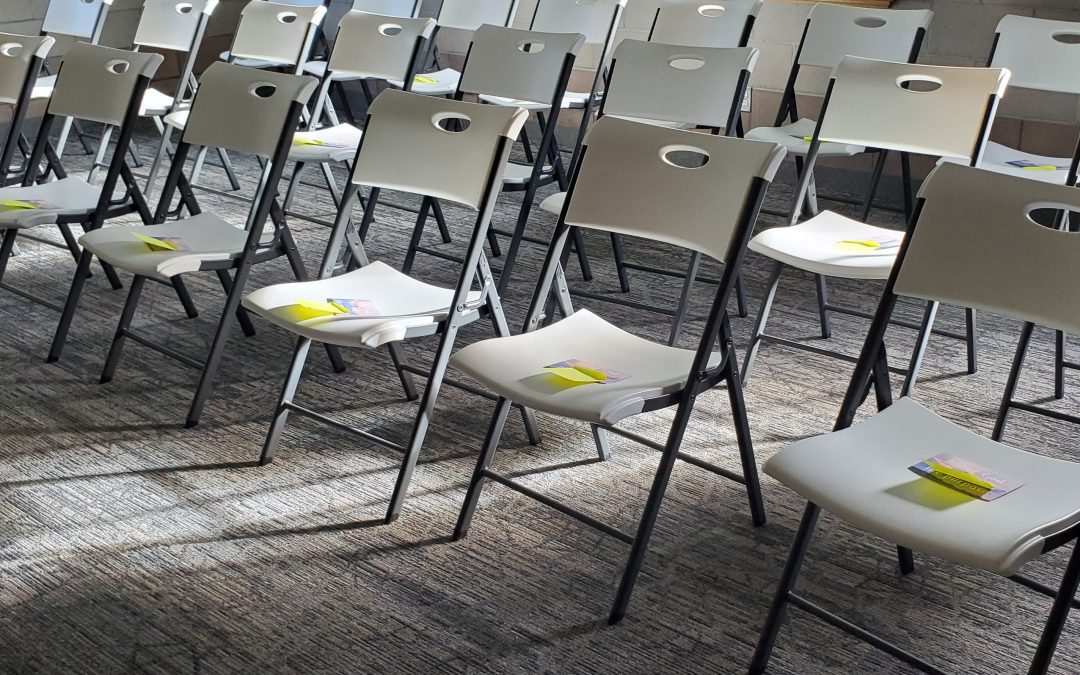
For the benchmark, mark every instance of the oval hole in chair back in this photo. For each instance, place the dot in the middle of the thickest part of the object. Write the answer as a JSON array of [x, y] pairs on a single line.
[[684, 156], [920, 84], [1045, 213], [117, 66], [184, 7], [390, 29], [11, 49], [711, 11], [287, 17], [451, 123], [686, 62], [870, 22], [531, 47], [263, 89], [1066, 38]]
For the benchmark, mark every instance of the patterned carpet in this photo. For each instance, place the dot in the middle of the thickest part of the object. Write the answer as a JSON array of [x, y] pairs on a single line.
[[129, 544]]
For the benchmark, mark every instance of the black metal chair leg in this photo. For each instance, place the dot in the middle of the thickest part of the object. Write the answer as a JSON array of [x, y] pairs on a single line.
[[288, 391], [516, 239], [620, 265], [763, 317], [72, 303], [418, 232], [917, 354], [875, 182], [117, 348], [217, 348], [476, 483], [600, 438], [1059, 365], [6, 247], [823, 301], [740, 297], [908, 185], [70, 241], [185, 297], [1059, 612], [905, 558], [1014, 379], [742, 434], [440, 220], [407, 382], [972, 341], [684, 298], [111, 275], [795, 559], [582, 255], [241, 314]]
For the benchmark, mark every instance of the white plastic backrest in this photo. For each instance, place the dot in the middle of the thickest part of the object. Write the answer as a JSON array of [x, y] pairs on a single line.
[[77, 18], [672, 83], [409, 145], [172, 24], [836, 31], [244, 109], [16, 53], [975, 245], [400, 8], [1040, 54], [870, 106], [593, 18], [471, 14], [630, 182], [98, 83], [377, 46], [499, 65], [275, 32], [704, 23]]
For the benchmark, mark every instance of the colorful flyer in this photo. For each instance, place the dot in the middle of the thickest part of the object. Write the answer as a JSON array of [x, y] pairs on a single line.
[[355, 306], [24, 204], [966, 476], [582, 372], [1028, 165]]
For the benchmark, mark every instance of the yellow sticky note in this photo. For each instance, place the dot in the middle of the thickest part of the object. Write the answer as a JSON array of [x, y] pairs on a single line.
[[155, 243], [308, 141], [577, 374], [868, 243], [424, 79], [314, 309], [961, 475], [13, 204], [1044, 167]]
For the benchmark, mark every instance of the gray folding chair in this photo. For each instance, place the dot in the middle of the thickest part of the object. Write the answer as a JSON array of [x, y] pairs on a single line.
[[705, 23], [21, 60], [243, 110], [972, 243], [414, 144], [634, 180]]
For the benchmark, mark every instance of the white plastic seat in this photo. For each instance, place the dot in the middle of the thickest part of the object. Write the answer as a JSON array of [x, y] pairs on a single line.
[[554, 203], [328, 144], [794, 137], [44, 86], [446, 82], [405, 305], [997, 158], [817, 245], [514, 367], [71, 196]]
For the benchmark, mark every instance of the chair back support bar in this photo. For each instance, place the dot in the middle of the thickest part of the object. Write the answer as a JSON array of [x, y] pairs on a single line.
[[942, 111], [409, 142], [18, 53], [1040, 53], [592, 18], [835, 31], [975, 245], [471, 14], [673, 83], [81, 19], [518, 64], [96, 83], [378, 46], [631, 181], [172, 24], [254, 103], [281, 33], [705, 23]]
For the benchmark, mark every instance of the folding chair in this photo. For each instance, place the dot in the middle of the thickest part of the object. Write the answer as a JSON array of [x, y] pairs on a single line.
[[631, 181], [250, 57], [21, 60], [831, 33], [243, 110], [907, 108], [413, 144], [700, 23], [82, 20], [532, 68], [972, 243], [674, 85], [95, 84]]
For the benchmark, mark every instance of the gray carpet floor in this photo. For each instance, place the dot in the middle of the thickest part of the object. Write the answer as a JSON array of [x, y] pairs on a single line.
[[129, 544]]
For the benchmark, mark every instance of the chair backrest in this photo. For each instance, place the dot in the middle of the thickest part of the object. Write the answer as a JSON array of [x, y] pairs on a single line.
[[98, 83], [633, 181], [244, 109], [835, 31], [672, 83], [277, 32], [518, 64], [409, 145], [377, 46], [1040, 53], [974, 244], [471, 14], [78, 18], [17, 55], [596, 19], [890, 106], [406, 9], [705, 23], [172, 24]]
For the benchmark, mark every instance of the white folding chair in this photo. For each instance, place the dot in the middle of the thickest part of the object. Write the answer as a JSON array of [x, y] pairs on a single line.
[[705, 23], [831, 33], [972, 243], [680, 86], [414, 144], [632, 181], [244, 110], [402, 9], [95, 84], [21, 61], [908, 108], [534, 69]]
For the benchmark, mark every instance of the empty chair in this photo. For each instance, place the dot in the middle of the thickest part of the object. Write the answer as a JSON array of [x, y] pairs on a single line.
[[705, 23], [928, 110], [588, 369], [402, 9], [263, 109], [21, 59], [972, 243], [414, 144]]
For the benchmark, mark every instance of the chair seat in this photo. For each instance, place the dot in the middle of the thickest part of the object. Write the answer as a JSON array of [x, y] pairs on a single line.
[[815, 246], [861, 474], [70, 196], [513, 367], [554, 204], [318, 69], [793, 137], [253, 63], [996, 157], [178, 119], [446, 83], [571, 100], [519, 174], [339, 144], [408, 307], [44, 86], [208, 238], [155, 103]]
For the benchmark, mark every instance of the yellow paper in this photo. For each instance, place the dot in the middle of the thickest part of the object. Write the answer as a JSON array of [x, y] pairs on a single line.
[[308, 141], [961, 475], [424, 79], [1044, 167], [12, 204], [155, 243], [314, 309], [868, 243], [597, 375], [576, 374]]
